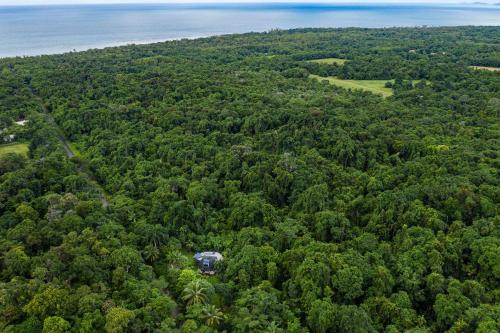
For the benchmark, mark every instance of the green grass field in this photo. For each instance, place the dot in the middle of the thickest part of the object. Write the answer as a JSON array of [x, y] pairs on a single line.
[[374, 86], [484, 68], [329, 61], [19, 148]]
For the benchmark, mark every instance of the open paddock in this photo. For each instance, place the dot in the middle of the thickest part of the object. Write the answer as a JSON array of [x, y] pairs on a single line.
[[329, 61], [485, 68], [374, 86], [18, 148]]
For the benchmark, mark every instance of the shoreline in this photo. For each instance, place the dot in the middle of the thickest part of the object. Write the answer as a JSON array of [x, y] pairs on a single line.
[[102, 46], [62, 29], [118, 44], [105, 45]]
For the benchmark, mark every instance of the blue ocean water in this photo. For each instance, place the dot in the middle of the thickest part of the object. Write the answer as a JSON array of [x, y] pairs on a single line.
[[35, 30]]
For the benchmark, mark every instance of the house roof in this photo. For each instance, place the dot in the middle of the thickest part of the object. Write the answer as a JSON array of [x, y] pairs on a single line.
[[208, 255], [21, 122]]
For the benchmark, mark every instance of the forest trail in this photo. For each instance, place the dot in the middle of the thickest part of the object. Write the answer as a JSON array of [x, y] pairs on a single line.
[[50, 120], [69, 152]]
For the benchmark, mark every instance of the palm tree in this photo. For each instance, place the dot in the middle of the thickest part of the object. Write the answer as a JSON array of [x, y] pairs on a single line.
[[176, 259], [273, 328], [195, 293], [212, 315], [156, 235], [151, 253]]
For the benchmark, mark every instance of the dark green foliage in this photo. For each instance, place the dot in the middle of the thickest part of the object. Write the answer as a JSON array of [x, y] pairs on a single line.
[[335, 210]]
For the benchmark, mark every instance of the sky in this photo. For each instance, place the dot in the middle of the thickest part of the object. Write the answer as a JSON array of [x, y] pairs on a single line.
[[47, 2]]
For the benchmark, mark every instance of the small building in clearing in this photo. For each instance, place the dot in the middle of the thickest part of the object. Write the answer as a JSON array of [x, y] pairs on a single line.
[[206, 261]]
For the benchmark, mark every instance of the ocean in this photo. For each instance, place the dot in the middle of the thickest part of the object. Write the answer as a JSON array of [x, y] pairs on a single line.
[[36, 30]]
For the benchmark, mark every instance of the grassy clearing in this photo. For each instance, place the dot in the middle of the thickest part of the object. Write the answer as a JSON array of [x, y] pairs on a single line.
[[18, 148], [485, 68], [374, 86], [329, 61]]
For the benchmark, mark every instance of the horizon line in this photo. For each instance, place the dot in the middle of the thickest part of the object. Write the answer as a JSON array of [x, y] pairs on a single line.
[[253, 2]]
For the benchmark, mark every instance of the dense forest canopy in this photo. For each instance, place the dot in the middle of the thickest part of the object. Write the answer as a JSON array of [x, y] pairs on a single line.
[[335, 210]]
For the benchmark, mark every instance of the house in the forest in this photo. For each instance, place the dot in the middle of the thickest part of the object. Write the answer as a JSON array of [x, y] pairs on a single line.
[[21, 122], [206, 261]]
